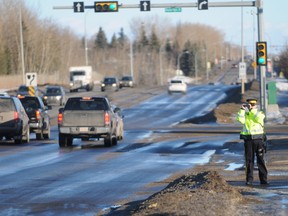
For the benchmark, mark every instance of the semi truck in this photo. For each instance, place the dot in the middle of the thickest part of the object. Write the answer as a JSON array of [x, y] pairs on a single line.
[[81, 78]]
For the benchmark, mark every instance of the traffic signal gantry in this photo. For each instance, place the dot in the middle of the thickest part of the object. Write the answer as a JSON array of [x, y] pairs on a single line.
[[106, 6], [261, 53]]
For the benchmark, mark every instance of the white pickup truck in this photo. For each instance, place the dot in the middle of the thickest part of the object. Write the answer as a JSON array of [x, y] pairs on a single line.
[[85, 118]]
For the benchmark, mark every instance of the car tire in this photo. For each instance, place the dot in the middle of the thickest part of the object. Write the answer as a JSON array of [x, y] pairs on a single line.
[[108, 141], [26, 138], [62, 139], [18, 141], [47, 133], [39, 136]]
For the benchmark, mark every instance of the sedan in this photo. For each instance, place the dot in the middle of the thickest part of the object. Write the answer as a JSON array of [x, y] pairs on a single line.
[[127, 81], [177, 86]]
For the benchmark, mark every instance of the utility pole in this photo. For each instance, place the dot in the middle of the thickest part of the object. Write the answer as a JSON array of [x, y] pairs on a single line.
[[21, 43], [261, 69]]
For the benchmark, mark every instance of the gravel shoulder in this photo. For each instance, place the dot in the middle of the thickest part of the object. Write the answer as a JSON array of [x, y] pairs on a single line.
[[211, 189]]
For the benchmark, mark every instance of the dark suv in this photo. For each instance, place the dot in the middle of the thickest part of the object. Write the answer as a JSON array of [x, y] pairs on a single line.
[[14, 122], [39, 119], [29, 90], [110, 83]]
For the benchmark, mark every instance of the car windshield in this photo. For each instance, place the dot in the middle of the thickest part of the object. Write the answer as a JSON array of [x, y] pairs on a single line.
[[6, 105], [109, 80], [53, 91], [127, 78], [176, 81], [23, 88], [30, 102], [83, 104]]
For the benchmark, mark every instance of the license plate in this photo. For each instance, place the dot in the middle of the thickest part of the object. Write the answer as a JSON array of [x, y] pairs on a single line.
[[83, 129]]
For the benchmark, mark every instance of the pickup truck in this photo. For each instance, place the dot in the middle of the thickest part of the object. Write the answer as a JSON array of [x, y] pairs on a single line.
[[85, 118]]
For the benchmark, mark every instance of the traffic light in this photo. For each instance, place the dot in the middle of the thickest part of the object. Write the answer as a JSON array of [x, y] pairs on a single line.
[[106, 6], [261, 51]]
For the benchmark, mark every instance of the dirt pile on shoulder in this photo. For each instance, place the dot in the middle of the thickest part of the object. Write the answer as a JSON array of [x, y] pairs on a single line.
[[204, 193]]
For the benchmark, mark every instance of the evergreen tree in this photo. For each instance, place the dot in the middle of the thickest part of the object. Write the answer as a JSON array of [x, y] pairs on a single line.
[[143, 40], [122, 38], [114, 42], [154, 42], [101, 39]]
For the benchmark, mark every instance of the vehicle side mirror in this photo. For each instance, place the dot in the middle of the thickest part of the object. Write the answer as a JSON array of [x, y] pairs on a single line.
[[117, 109], [61, 110], [48, 107]]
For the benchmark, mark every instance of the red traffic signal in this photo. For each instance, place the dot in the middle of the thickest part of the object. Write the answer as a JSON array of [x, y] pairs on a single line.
[[106, 6]]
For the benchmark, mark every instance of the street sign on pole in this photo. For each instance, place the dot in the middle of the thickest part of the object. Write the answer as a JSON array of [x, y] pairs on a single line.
[[202, 4], [78, 7], [144, 5], [31, 79], [173, 9]]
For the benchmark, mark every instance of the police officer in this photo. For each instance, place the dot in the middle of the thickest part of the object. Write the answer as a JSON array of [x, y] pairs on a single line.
[[252, 133]]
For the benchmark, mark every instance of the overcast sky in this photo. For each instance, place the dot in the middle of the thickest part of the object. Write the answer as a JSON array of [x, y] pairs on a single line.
[[226, 19]]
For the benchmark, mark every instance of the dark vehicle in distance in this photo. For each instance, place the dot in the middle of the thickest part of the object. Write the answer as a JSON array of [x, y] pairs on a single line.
[[24, 90], [54, 95], [85, 118], [14, 122], [39, 119], [4, 93], [110, 83], [127, 81]]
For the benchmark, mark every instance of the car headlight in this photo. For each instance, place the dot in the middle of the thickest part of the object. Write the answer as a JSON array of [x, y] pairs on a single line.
[[58, 97], [71, 84], [114, 84], [45, 97], [103, 84]]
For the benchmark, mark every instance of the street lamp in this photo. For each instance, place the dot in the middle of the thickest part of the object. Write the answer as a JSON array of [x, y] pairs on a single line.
[[196, 67], [21, 43], [206, 63], [161, 65], [85, 39], [131, 58]]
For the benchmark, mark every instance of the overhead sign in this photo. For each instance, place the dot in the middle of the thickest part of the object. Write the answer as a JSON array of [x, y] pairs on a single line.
[[202, 4], [78, 7], [144, 5], [173, 9], [31, 79]]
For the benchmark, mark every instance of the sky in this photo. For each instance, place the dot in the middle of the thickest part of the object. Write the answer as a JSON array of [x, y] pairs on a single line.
[[225, 19]]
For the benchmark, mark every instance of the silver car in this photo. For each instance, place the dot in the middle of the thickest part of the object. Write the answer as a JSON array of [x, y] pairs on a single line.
[[127, 81]]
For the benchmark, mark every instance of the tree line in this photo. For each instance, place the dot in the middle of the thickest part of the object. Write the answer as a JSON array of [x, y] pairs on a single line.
[[153, 52]]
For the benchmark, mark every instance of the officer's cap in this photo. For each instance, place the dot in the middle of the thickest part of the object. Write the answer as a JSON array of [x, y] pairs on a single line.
[[252, 101]]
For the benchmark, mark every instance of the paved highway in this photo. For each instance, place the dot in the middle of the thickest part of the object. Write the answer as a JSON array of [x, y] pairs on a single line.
[[38, 178]]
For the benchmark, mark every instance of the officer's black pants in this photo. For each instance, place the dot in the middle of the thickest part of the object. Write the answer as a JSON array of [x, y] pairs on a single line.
[[252, 148]]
